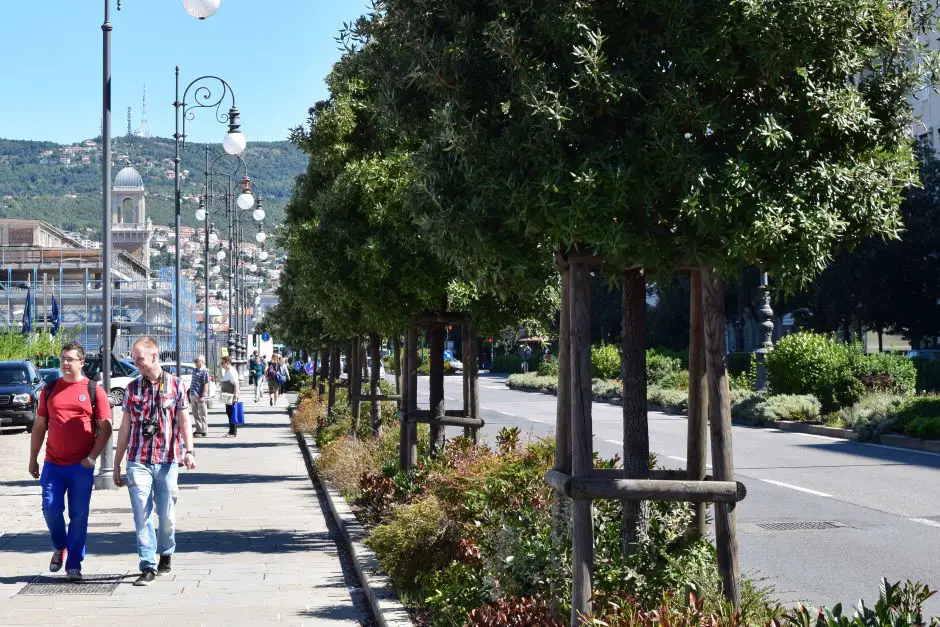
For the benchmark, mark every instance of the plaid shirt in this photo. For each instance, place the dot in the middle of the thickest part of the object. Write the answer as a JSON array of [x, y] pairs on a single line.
[[162, 400], [199, 380]]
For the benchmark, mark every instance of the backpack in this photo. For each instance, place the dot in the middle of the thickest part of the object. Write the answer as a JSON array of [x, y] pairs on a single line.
[[271, 374]]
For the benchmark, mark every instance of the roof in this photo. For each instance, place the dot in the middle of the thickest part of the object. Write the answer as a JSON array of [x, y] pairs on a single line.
[[128, 177]]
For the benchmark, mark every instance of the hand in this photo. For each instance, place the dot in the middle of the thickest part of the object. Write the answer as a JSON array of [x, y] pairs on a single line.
[[87, 464], [189, 461], [117, 475], [34, 468]]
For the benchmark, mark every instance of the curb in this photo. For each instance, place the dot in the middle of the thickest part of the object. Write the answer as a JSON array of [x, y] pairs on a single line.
[[386, 608], [895, 440]]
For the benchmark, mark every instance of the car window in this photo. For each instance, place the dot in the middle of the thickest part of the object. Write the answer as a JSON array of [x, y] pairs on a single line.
[[14, 375], [186, 370]]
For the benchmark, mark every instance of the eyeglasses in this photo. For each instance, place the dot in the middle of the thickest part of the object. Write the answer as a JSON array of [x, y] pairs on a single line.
[[70, 360]]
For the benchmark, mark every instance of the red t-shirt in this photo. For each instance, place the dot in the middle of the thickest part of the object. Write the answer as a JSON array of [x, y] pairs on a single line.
[[67, 408]]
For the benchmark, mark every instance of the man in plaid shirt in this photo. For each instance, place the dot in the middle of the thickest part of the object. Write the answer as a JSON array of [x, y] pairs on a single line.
[[157, 436]]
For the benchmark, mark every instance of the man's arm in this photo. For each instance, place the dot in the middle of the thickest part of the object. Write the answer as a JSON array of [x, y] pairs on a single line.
[[187, 433], [124, 436], [104, 423], [35, 444]]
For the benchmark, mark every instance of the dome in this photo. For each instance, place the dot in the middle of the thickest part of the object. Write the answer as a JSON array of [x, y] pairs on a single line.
[[128, 177]]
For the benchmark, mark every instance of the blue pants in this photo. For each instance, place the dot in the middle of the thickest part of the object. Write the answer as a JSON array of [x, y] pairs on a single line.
[[76, 482], [153, 486]]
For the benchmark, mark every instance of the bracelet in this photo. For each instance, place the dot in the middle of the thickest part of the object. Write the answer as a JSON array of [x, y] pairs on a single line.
[[193, 453], [90, 460]]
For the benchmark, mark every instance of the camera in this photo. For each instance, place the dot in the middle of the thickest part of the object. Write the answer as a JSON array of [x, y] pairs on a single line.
[[149, 427]]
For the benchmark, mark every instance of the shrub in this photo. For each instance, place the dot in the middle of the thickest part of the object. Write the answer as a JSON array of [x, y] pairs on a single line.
[[920, 417], [309, 415], [809, 363], [897, 606], [659, 366], [512, 612], [376, 493], [739, 363], [548, 367], [678, 380], [532, 381], [802, 408], [748, 406], [451, 594], [513, 363], [872, 415], [928, 374], [343, 461], [605, 362], [606, 388], [888, 373], [671, 400], [416, 540]]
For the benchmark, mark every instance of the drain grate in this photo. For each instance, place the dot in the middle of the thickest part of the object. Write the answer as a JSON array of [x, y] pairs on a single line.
[[104, 523], [113, 510], [188, 487], [91, 584], [799, 526]]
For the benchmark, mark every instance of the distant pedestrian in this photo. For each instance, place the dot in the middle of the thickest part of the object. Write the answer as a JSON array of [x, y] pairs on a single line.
[[157, 436], [198, 397], [76, 414], [524, 354], [283, 370], [271, 375], [257, 368], [230, 390]]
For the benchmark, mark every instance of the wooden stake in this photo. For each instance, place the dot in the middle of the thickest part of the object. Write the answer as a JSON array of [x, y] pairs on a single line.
[[697, 438], [719, 416], [582, 555], [636, 440], [465, 374], [412, 404], [396, 347], [355, 383], [404, 369], [436, 357], [375, 415], [331, 380], [471, 367]]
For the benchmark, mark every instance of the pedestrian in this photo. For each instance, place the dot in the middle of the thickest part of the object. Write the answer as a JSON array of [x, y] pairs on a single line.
[[525, 353], [257, 368], [76, 415], [157, 437], [198, 397], [251, 370], [270, 374], [283, 370], [230, 390]]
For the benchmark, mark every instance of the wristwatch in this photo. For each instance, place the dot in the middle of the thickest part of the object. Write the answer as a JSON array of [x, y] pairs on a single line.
[[193, 453], [90, 460]]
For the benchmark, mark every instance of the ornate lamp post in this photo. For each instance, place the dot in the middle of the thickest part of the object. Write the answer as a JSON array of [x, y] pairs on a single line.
[[200, 9], [233, 143], [767, 330]]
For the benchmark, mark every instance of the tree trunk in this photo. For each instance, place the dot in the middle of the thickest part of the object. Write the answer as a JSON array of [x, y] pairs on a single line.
[[636, 441], [333, 376], [355, 383], [582, 448], [375, 414], [697, 439], [719, 416], [436, 356], [396, 347], [881, 340]]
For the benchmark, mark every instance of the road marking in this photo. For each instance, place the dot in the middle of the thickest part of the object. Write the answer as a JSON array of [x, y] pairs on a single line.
[[925, 521], [678, 459], [796, 487], [617, 442]]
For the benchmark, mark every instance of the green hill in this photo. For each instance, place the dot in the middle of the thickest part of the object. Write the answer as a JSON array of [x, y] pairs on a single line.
[[36, 181]]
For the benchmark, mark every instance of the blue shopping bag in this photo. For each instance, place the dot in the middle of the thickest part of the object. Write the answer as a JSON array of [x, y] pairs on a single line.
[[238, 413]]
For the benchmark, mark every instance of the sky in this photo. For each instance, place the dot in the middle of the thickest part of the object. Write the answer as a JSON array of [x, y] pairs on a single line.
[[274, 53]]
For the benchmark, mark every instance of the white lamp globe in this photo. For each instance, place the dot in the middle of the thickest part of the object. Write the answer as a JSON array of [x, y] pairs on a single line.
[[245, 201], [216, 269], [263, 255], [213, 238], [261, 236], [258, 214], [220, 255], [257, 300], [200, 214], [253, 267], [201, 9], [234, 143]]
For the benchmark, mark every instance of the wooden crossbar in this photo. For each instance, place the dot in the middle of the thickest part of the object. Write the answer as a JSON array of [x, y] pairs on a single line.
[[377, 397], [600, 487], [458, 419]]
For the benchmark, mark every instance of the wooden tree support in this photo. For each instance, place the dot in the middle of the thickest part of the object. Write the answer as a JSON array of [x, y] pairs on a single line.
[[593, 487], [451, 418], [375, 397]]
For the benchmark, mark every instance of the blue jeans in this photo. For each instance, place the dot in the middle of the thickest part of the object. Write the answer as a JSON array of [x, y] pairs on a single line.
[[76, 481], [152, 485]]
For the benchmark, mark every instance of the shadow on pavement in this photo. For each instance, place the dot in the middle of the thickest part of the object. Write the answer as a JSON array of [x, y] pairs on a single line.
[[888, 456], [220, 541], [201, 443], [25, 483], [205, 478]]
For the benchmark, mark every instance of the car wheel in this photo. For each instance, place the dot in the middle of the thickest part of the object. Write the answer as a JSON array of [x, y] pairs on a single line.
[[117, 397]]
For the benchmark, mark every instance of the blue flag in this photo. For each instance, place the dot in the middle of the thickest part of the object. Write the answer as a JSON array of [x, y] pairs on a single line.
[[56, 318], [28, 313]]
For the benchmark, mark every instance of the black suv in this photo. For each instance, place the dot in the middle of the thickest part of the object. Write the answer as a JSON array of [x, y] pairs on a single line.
[[20, 384]]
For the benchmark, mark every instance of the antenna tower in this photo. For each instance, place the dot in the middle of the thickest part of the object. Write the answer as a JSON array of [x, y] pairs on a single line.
[[144, 130], [129, 131]]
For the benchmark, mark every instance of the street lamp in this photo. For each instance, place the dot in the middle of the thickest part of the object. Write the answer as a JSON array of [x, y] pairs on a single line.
[[201, 9], [233, 142]]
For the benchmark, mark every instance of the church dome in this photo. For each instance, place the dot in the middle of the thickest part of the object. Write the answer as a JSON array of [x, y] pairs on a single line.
[[128, 177]]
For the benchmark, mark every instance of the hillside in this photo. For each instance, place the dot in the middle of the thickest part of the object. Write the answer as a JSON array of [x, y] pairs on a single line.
[[62, 183]]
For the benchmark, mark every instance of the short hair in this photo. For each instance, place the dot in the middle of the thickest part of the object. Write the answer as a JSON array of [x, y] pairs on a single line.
[[74, 346], [147, 341], [226, 359], [201, 358]]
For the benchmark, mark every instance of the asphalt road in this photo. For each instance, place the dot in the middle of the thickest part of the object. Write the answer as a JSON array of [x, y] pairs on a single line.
[[883, 502]]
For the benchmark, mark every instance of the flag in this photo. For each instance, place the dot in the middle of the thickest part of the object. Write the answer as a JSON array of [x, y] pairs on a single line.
[[28, 313], [56, 318]]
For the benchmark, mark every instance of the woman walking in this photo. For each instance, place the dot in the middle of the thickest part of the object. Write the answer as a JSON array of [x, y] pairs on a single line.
[[284, 371], [271, 374], [229, 394]]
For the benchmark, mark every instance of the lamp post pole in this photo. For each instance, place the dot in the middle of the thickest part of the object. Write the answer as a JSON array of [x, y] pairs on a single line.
[[104, 480]]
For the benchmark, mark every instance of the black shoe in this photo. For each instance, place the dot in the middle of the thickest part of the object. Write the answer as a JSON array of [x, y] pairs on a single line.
[[164, 566], [146, 577]]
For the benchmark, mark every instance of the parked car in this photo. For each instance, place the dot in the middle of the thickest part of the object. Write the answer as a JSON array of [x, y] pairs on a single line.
[[187, 375], [20, 385], [929, 354], [121, 376], [49, 375], [451, 362]]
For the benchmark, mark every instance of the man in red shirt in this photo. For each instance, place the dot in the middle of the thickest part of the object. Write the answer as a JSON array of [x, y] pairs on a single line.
[[65, 412]]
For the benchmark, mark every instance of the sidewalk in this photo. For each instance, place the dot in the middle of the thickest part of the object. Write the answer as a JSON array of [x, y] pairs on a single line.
[[253, 545]]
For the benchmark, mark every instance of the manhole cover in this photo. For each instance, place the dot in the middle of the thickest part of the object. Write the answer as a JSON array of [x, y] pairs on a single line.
[[91, 584], [104, 523], [798, 526]]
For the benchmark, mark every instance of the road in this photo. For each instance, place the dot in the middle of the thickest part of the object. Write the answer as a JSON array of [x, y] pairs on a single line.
[[882, 503]]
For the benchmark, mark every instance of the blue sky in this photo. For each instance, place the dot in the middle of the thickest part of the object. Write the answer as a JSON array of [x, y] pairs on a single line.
[[274, 53]]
